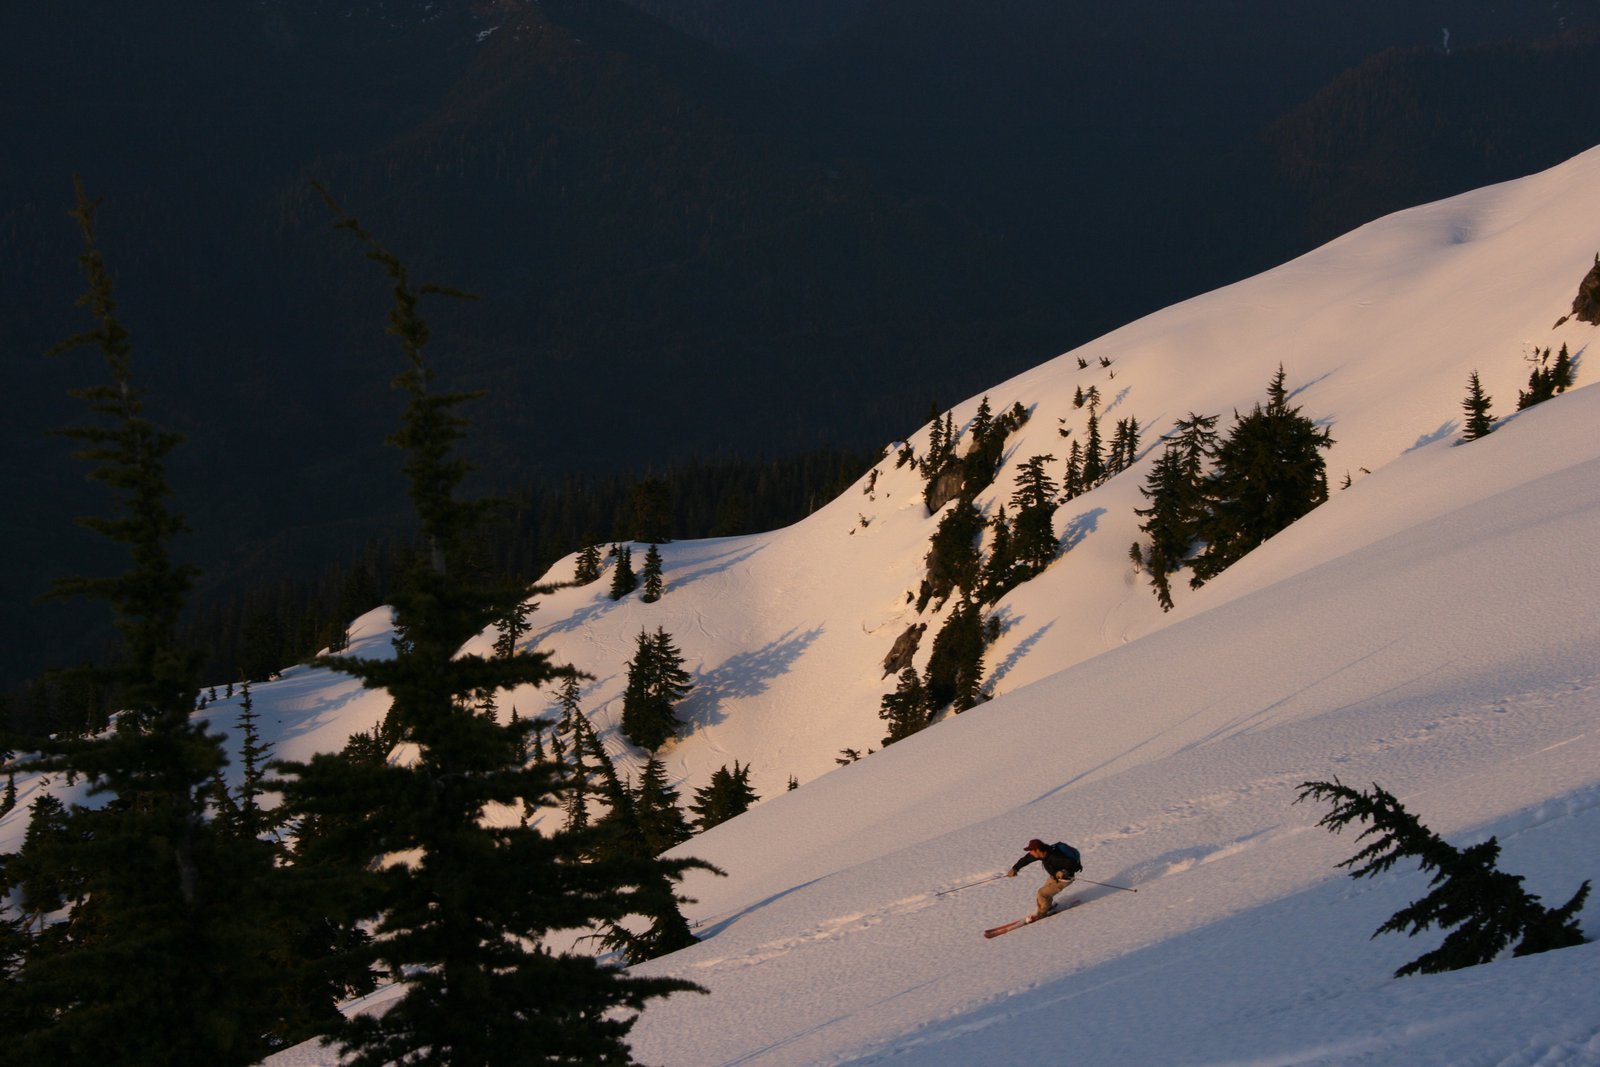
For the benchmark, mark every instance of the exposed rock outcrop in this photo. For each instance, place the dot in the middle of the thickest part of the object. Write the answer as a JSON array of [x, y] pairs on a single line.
[[905, 646], [1586, 306]]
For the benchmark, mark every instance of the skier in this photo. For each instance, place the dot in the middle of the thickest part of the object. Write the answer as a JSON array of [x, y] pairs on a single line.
[[1061, 865]]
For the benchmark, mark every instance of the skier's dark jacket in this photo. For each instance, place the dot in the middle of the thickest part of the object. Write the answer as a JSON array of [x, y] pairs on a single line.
[[1060, 860]]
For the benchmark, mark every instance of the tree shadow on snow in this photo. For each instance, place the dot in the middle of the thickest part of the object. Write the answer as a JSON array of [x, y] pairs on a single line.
[[1448, 429], [744, 674], [1023, 648], [706, 567], [1080, 527]]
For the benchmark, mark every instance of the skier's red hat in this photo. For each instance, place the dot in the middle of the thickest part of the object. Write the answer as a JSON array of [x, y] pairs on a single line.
[[1036, 846]]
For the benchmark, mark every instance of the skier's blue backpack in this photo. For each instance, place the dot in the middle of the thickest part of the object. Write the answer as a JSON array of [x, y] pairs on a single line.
[[1073, 854]]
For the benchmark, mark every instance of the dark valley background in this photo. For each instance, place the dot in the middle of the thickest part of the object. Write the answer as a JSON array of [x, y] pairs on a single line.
[[734, 245]]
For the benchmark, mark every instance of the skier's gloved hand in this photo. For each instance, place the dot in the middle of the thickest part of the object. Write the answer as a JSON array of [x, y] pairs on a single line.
[[1012, 873]]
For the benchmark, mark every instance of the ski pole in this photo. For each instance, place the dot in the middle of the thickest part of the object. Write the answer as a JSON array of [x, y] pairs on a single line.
[[1108, 885], [969, 885]]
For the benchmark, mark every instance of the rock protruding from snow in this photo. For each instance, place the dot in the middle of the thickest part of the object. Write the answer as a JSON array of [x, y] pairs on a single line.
[[1586, 305]]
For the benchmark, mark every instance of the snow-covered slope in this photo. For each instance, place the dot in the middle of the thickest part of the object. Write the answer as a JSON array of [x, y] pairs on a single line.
[[1433, 628]]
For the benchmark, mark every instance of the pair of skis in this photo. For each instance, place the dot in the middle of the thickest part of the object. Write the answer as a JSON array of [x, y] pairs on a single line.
[[1006, 928]]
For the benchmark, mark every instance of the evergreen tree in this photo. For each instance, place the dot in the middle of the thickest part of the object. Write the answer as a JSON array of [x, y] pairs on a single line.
[[253, 756], [955, 666], [158, 960], [574, 778], [1479, 422], [651, 511], [727, 794], [1124, 446], [1072, 484], [588, 566], [982, 420], [656, 682], [623, 836], [262, 643], [41, 870], [524, 751], [14, 1018], [617, 829], [1269, 472], [941, 445], [566, 750], [9, 799], [1094, 464], [1562, 375], [512, 627], [1033, 535], [1034, 487], [905, 709], [982, 461], [568, 701], [941, 455], [661, 820], [653, 584], [1545, 380], [999, 575], [1170, 518], [329, 898], [1196, 438], [1541, 382], [953, 560], [461, 924], [623, 580], [1484, 908]]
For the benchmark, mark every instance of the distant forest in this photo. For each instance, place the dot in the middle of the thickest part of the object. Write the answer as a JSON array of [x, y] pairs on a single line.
[[286, 618]]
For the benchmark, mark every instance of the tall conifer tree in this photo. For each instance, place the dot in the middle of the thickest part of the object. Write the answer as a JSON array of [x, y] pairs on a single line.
[[999, 573], [1479, 422], [157, 962], [1485, 909], [587, 568], [905, 709], [623, 579], [1033, 536], [653, 584], [656, 682], [1094, 464], [1169, 520], [463, 919], [955, 666], [512, 627], [661, 820], [728, 794], [1269, 472]]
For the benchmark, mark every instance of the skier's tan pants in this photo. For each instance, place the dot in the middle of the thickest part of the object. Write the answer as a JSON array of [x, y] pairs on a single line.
[[1048, 891]]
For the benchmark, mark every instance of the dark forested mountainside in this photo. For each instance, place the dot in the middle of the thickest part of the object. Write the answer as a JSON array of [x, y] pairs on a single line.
[[657, 250], [259, 628], [774, 33], [781, 32], [285, 609], [1414, 125], [648, 227], [868, 205], [1108, 141]]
